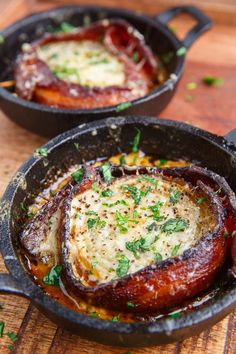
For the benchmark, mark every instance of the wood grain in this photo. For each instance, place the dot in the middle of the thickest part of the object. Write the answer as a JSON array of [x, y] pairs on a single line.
[[212, 108]]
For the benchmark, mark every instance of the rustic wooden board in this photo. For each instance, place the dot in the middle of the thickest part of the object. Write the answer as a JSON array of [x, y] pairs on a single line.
[[212, 108]]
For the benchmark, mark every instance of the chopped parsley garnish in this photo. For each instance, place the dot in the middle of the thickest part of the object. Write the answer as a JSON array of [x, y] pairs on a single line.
[[157, 257], [136, 57], [174, 225], [115, 318], [42, 151], [175, 250], [156, 211], [96, 222], [107, 193], [122, 160], [94, 314], [22, 206], [123, 265], [201, 200], [161, 162], [95, 187], [106, 172], [136, 193], [123, 106], [52, 278], [130, 304], [181, 51], [77, 146], [124, 220], [227, 234], [2, 325], [66, 27], [152, 227], [210, 80], [175, 315], [12, 336], [78, 175], [174, 195], [118, 202], [90, 212], [140, 245], [149, 179], [136, 140]]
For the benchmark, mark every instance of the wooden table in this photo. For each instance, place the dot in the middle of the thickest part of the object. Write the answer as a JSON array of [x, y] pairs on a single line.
[[212, 108]]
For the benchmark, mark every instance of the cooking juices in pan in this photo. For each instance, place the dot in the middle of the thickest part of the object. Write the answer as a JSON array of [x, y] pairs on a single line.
[[137, 243], [104, 64]]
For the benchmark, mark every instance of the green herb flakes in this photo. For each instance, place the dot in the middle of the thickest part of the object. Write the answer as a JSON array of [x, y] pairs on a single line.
[[96, 222], [42, 151], [175, 315], [124, 220], [210, 80], [123, 265], [174, 225], [122, 106], [107, 193], [158, 257], [118, 202], [106, 172], [115, 318], [52, 278], [136, 193], [130, 304], [175, 250], [201, 200], [149, 179], [136, 57], [136, 140], [174, 196], [78, 175], [66, 27], [22, 206], [95, 187], [161, 162], [12, 336], [122, 160], [91, 213], [181, 51], [227, 235], [77, 146], [2, 325], [156, 211], [152, 227]]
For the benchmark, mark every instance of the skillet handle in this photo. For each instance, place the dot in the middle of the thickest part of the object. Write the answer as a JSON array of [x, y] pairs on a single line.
[[203, 21], [8, 285]]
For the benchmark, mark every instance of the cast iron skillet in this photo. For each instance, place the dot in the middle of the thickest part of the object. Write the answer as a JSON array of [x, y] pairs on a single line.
[[169, 139], [48, 121]]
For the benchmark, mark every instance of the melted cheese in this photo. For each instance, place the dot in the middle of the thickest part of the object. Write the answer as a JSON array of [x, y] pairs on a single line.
[[83, 62], [99, 246]]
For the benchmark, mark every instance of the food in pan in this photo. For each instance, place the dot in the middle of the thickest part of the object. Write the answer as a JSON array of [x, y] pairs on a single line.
[[130, 241], [104, 64]]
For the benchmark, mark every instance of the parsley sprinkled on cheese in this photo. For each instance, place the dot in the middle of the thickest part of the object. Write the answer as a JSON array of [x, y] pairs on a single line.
[[42, 152], [174, 195], [96, 222], [123, 265], [174, 225], [156, 211], [106, 193], [175, 250]]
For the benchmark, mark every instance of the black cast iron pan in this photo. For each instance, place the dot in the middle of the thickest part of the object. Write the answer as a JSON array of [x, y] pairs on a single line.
[[169, 139], [48, 121]]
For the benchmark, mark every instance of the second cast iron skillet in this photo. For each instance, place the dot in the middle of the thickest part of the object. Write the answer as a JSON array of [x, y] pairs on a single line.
[[163, 138], [49, 121]]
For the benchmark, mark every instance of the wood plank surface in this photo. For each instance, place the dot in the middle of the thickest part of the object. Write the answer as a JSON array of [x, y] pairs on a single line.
[[211, 108]]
